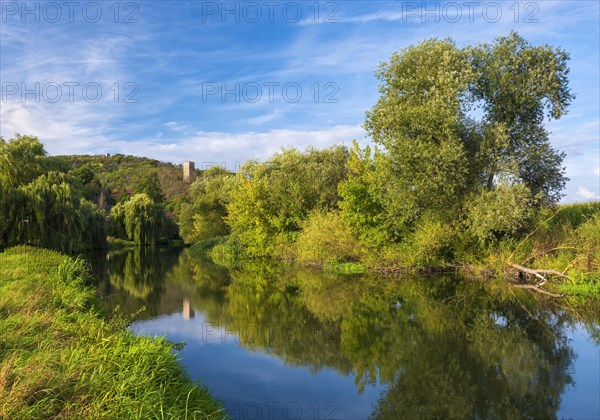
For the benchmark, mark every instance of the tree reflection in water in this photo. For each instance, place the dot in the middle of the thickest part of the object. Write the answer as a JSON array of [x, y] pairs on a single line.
[[443, 347]]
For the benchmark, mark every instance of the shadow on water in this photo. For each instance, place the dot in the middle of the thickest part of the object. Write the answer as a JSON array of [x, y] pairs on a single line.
[[410, 347]]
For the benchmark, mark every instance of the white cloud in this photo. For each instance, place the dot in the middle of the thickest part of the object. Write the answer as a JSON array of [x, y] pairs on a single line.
[[177, 127], [163, 126], [261, 119], [586, 193], [233, 149], [574, 132]]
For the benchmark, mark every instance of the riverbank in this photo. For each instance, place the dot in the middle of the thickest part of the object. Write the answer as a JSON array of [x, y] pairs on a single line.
[[561, 242], [62, 357]]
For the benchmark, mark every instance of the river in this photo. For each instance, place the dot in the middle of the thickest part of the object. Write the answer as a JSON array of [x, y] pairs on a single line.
[[274, 341]]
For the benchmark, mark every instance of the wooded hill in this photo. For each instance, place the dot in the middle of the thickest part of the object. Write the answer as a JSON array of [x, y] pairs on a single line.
[[123, 175]]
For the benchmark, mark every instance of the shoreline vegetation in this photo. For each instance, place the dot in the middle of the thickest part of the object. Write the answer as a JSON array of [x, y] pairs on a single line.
[[562, 253], [460, 175], [62, 357]]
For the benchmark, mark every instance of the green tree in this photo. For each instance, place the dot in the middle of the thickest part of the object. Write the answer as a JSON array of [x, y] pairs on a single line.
[[94, 225], [149, 184], [143, 220], [299, 182], [249, 213], [518, 85], [419, 119], [204, 218], [53, 207], [116, 225], [14, 217], [362, 202], [22, 159], [439, 155], [50, 212], [272, 199], [92, 186]]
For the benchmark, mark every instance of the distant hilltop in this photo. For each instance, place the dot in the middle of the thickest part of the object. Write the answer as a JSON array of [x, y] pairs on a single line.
[[119, 172]]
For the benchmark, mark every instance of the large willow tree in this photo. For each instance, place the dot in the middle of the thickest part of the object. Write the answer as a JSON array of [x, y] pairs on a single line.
[[143, 220], [465, 127], [139, 220], [22, 159], [41, 207]]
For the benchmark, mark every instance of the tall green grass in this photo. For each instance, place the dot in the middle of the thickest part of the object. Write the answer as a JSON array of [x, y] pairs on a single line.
[[564, 238], [62, 357]]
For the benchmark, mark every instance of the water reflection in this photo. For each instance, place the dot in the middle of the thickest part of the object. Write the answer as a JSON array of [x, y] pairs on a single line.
[[353, 347]]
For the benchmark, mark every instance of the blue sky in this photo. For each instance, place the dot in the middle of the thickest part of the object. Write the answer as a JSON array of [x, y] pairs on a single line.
[[218, 82]]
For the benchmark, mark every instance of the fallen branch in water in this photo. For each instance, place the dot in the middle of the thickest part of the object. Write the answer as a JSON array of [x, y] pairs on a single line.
[[536, 272], [540, 274]]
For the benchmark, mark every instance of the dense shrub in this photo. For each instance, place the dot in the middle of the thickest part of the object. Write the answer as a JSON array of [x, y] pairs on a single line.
[[326, 237], [430, 245], [499, 212], [271, 200]]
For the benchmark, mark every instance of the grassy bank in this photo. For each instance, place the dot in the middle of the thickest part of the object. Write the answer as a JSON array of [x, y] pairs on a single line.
[[61, 357]]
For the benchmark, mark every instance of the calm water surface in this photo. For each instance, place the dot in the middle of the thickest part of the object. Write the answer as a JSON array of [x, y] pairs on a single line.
[[274, 341]]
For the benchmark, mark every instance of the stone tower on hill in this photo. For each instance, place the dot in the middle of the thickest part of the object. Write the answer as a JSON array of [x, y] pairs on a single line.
[[189, 172]]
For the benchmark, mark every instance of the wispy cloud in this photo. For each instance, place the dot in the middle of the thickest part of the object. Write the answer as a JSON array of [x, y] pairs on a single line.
[[170, 53], [261, 119], [586, 193], [233, 149]]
